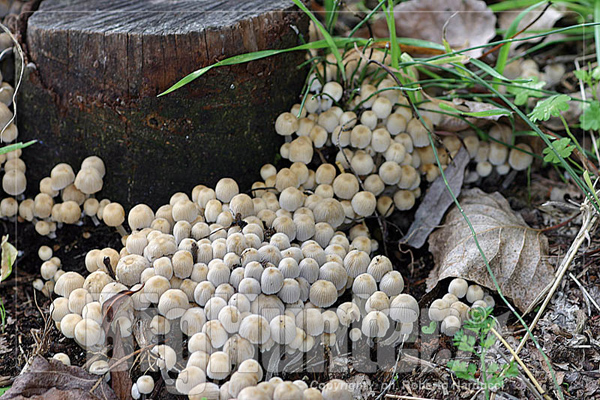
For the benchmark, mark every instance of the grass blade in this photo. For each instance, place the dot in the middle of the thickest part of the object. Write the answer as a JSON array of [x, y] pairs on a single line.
[[332, 46]]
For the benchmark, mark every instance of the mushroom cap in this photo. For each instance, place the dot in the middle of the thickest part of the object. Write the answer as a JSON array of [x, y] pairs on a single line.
[[287, 391], [173, 303], [130, 268], [379, 266], [290, 291], [364, 203], [113, 214], [323, 293], [88, 333], [219, 366], [450, 325], [474, 293], [520, 160], [364, 286], [88, 181], [14, 182], [255, 328], [283, 329], [68, 282], [253, 393], [311, 321], [335, 273], [392, 283], [404, 308], [286, 124], [375, 324], [226, 189], [62, 175], [329, 211], [458, 287], [188, 378]]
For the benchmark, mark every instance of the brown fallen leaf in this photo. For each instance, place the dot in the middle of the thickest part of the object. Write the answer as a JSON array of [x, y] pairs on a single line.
[[119, 374], [52, 380], [516, 253], [436, 201], [473, 25]]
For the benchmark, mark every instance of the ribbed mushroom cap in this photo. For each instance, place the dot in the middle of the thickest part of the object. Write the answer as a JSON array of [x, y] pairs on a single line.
[[88, 181], [283, 329], [364, 286], [226, 189], [474, 293], [255, 328], [311, 321], [290, 291], [404, 308], [378, 301], [345, 186], [88, 333], [230, 318], [356, 262], [309, 269], [130, 268], [364, 203], [219, 366], [329, 211], [392, 283], [239, 349], [250, 287], [286, 124], [173, 303], [62, 175], [323, 293], [271, 280], [375, 324], [68, 282], [216, 333], [450, 325], [335, 273], [379, 266], [213, 306]]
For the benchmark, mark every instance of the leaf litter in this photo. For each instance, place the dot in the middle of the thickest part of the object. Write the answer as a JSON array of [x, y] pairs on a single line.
[[517, 254]]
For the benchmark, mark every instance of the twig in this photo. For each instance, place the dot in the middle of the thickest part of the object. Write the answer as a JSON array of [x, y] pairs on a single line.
[[585, 292], [520, 362]]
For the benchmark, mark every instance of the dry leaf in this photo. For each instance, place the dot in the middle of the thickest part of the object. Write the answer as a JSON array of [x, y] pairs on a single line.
[[52, 380], [454, 124], [473, 25], [544, 23], [9, 255], [436, 201], [516, 253]]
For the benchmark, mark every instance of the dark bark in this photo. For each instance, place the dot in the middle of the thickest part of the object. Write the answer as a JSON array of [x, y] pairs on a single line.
[[97, 67]]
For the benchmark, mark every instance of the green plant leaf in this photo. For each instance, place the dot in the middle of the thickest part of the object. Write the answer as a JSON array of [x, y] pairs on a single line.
[[582, 74], [512, 371], [590, 119], [4, 390], [330, 42], [550, 107], [491, 71], [429, 329], [526, 90], [16, 146], [562, 146]]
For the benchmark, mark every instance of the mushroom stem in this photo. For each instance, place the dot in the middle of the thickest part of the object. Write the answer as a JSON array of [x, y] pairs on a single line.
[[95, 220], [121, 230]]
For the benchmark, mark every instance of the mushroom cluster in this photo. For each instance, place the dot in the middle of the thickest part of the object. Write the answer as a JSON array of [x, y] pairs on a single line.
[[237, 276], [379, 152], [451, 311]]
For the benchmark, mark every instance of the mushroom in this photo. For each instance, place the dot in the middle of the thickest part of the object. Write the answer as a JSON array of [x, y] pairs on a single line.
[[88, 181], [474, 293], [520, 157], [286, 124], [14, 182], [88, 333], [173, 303], [63, 358], [188, 378], [438, 310], [205, 391], [375, 324], [404, 309], [255, 328], [145, 384], [450, 325], [114, 215], [130, 268], [219, 366], [62, 175], [336, 389], [287, 391]]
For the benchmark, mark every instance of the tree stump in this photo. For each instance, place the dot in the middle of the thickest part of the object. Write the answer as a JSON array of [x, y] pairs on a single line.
[[95, 69]]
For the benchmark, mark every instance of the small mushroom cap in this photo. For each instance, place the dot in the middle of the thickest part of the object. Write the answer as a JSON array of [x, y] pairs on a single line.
[[173, 303], [520, 160], [404, 308], [323, 293], [88, 181], [286, 124], [63, 358], [62, 175], [375, 324], [205, 391], [189, 378], [145, 384], [88, 333], [458, 287], [392, 283], [68, 282], [113, 214], [14, 182], [219, 366], [255, 328], [474, 293], [450, 325]]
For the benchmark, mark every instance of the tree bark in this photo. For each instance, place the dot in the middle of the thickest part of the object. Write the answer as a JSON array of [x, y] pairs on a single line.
[[95, 68]]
